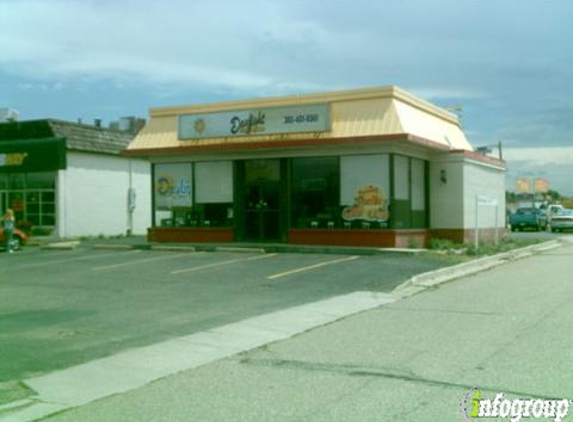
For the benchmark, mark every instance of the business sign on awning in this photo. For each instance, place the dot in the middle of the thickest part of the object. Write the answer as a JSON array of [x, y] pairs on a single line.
[[259, 121], [32, 155]]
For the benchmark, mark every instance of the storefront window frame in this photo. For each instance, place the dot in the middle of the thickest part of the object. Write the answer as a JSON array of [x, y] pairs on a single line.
[[25, 219], [192, 216], [317, 222]]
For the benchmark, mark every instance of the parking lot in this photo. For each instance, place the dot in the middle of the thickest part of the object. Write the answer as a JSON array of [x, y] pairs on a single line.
[[61, 308]]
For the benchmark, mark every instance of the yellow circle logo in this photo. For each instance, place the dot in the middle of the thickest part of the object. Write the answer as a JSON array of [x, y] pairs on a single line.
[[199, 125], [164, 185]]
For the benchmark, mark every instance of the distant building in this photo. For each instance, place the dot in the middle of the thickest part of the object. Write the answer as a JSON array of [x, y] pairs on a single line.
[[71, 178], [368, 167], [129, 124]]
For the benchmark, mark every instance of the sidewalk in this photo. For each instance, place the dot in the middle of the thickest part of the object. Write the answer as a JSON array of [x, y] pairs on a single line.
[[141, 242], [504, 330]]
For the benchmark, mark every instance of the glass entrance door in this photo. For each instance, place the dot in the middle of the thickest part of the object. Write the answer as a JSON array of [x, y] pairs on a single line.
[[262, 200]]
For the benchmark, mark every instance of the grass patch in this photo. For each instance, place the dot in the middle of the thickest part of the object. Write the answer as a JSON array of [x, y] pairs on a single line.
[[505, 245], [11, 391], [464, 252]]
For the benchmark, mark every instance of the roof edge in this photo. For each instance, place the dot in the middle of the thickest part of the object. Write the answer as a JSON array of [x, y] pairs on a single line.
[[476, 156], [293, 143], [389, 91]]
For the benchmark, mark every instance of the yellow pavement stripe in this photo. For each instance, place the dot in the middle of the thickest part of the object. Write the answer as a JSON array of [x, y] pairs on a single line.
[[155, 258], [59, 261], [311, 267], [223, 263]]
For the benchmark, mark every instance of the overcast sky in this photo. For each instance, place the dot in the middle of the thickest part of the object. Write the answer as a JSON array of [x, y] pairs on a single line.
[[508, 63]]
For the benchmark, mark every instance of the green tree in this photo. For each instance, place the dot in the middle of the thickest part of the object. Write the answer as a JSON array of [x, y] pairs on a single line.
[[553, 194]]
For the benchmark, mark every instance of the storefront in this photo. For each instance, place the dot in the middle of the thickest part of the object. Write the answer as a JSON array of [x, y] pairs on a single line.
[[28, 174], [70, 180], [345, 168]]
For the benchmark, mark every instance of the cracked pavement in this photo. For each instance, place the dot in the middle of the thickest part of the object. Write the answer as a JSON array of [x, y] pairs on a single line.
[[503, 330]]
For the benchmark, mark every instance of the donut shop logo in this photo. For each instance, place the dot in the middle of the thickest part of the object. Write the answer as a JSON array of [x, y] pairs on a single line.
[[253, 124], [476, 407], [166, 186], [13, 159]]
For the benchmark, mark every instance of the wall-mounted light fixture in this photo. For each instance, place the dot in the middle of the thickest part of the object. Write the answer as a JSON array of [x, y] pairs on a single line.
[[443, 176]]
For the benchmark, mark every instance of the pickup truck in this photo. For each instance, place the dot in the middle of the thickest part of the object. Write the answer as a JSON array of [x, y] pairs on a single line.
[[546, 213], [525, 218]]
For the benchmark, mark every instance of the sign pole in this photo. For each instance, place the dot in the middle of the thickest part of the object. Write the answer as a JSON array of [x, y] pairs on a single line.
[[476, 234], [496, 224]]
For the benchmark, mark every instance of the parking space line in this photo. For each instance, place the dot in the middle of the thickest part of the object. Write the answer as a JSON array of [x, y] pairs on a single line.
[[223, 263], [139, 261], [311, 267], [79, 258]]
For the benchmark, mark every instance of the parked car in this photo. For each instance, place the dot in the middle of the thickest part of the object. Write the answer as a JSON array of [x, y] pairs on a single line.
[[562, 220], [524, 218], [546, 214], [19, 238]]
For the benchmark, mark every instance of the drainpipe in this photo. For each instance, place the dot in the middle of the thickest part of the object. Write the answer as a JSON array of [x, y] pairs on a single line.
[[130, 201]]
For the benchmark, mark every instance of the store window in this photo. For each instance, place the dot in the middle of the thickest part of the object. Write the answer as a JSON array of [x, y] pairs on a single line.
[[41, 180], [409, 203], [172, 190], [365, 191], [418, 189], [315, 192], [213, 194], [193, 194], [32, 196], [401, 206]]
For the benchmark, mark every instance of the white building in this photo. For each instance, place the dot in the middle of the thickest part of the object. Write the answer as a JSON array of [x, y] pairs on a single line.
[[72, 179]]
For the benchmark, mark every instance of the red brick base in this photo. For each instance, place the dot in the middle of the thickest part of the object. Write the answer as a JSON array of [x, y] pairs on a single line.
[[417, 238], [378, 238]]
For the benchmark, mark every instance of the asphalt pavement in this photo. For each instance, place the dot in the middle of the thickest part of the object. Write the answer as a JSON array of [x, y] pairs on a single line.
[[502, 331], [61, 308]]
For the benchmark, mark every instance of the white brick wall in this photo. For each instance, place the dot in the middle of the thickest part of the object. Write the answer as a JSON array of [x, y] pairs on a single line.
[[484, 180], [446, 203], [92, 195], [453, 203]]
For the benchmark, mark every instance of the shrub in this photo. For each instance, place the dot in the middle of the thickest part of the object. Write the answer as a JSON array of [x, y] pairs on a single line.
[[442, 244]]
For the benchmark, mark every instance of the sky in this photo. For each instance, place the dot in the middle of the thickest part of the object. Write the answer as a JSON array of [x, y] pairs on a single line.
[[507, 63]]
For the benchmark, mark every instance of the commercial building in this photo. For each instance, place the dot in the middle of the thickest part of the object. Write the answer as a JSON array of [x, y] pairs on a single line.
[[70, 179], [371, 167]]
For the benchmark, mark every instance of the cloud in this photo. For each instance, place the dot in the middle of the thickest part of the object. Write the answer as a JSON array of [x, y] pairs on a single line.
[[432, 93], [541, 156], [239, 45], [511, 80]]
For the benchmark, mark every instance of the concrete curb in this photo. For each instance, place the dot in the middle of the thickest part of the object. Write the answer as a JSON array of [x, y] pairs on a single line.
[[336, 250], [112, 246], [424, 281], [412, 251], [134, 368], [173, 248], [235, 249], [61, 245]]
